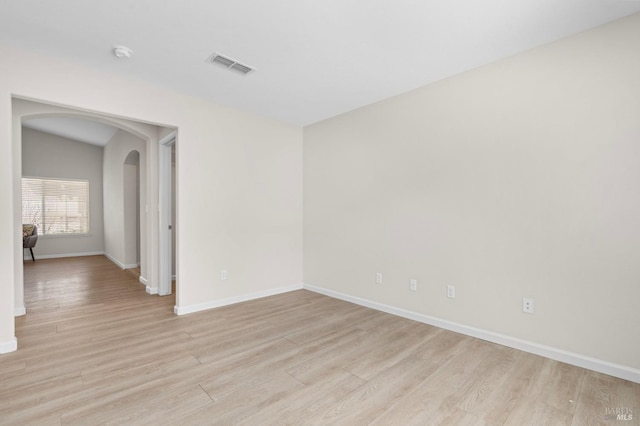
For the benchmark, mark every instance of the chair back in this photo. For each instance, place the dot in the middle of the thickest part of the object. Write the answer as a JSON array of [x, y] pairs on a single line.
[[29, 235]]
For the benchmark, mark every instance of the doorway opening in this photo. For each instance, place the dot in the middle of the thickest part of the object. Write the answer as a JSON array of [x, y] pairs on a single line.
[[131, 213], [137, 184], [167, 173]]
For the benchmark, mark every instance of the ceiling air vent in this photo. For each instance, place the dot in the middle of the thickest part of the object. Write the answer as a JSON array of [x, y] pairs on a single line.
[[230, 64]]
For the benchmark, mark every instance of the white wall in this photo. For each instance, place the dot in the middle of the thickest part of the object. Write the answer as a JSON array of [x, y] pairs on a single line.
[[239, 179], [47, 155], [120, 197], [518, 179]]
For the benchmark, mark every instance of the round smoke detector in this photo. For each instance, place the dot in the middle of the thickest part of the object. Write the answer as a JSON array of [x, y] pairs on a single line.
[[122, 52]]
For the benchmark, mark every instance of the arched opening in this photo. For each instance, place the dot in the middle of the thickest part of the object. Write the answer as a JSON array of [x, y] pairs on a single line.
[[131, 211], [136, 167]]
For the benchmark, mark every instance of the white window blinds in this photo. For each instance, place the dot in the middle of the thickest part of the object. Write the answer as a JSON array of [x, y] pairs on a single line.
[[56, 206]]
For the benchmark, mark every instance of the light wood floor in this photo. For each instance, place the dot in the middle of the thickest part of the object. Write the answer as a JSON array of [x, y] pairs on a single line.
[[95, 349]]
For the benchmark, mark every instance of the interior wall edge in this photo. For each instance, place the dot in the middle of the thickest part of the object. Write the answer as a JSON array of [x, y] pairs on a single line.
[[116, 261], [9, 346]]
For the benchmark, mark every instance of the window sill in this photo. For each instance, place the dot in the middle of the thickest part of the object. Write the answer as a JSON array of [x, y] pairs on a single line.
[[54, 236]]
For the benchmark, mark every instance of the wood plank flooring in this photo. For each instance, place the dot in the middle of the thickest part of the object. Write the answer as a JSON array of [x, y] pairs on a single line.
[[95, 349]]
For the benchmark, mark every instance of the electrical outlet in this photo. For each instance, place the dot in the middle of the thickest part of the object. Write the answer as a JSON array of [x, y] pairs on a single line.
[[378, 278], [451, 292], [413, 285], [527, 306], [223, 275]]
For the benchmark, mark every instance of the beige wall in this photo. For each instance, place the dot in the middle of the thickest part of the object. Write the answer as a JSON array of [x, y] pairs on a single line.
[[47, 155], [239, 192], [518, 179], [9, 233]]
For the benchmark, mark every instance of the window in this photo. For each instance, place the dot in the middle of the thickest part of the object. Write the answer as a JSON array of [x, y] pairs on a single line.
[[56, 206]]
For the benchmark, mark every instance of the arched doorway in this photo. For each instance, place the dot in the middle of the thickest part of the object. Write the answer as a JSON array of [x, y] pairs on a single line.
[[146, 249], [131, 211]]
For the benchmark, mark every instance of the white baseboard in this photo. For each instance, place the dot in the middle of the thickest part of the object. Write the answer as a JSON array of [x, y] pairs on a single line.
[[120, 264], [143, 280], [60, 255], [151, 290], [615, 370], [114, 260], [183, 310], [10, 346], [19, 311]]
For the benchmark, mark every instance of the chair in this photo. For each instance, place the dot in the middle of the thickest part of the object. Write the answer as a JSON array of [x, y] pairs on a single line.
[[29, 238]]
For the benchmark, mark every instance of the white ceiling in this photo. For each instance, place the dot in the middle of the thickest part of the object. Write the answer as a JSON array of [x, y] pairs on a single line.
[[78, 129], [314, 59]]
